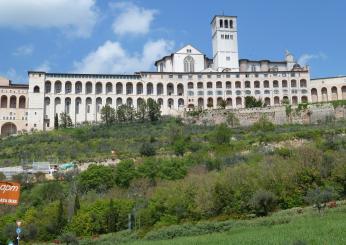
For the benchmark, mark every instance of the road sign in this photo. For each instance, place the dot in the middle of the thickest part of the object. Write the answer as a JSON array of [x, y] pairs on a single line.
[[18, 230], [10, 243]]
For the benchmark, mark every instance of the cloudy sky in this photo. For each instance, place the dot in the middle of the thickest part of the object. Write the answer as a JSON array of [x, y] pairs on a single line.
[[110, 36]]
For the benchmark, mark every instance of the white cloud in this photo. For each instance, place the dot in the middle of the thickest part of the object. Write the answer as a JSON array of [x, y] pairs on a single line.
[[112, 58], [45, 66], [24, 50], [304, 59], [132, 19], [76, 17]]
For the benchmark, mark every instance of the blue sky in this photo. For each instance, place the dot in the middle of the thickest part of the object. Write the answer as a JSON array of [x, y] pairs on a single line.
[[109, 36]]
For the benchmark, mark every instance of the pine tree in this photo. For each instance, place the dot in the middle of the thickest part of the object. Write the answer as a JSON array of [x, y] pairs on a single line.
[[56, 121], [76, 204], [112, 217], [60, 222]]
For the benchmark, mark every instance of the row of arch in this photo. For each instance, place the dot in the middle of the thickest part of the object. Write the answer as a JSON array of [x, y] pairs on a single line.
[[8, 129], [130, 88], [13, 102], [109, 88], [324, 95]]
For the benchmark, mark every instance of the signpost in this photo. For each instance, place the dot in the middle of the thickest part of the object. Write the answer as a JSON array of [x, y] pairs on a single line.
[[18, 230]]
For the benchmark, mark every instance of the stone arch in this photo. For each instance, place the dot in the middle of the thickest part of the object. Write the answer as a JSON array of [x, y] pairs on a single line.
[[68, 87], [36, 89], [78, 105], [180, 102], [170, 89], [109, 88], [57, 105], [334, 93], [160, 101], [190, 85], [229, 102], [314, 95], [294, 100], [139, 87], [275, 84], [293, 83], [57, 87], [119, 102], [98, 88], [266, 84], [200, 103], [284, 83], [13, 101], [228, 85], [239, 102], [4, 101], [210, 102], [199, 85], [98, 104], [267, 101], [304, 99], [209, 85], [180, 89], [88, 88], [88, 104], [8, 129], [257, 84], [218, 84], [129, 102], [47, 87], [140, 101], [170, 103], [150, 88], [67, 105], [47, 105], [129, 88], [159, 88], [109, 101], [303, 83], [237, 84], [119, 88], [276, 100], [78, 87], [343, 92], [324, 94], [247, 84], [22, 102]]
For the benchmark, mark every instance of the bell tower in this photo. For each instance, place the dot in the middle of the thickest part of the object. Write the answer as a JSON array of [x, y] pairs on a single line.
[[225, 43]]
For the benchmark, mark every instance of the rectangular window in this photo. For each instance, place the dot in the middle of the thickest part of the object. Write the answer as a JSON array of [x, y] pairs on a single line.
[[228, 58]]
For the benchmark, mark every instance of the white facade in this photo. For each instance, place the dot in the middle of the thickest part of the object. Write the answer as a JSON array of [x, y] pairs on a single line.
[[184, 80]]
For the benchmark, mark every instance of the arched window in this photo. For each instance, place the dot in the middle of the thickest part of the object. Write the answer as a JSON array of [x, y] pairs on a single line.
[[257, 84], [88, 103], [221, 23], [98, 104], [226, 23], [57, 87], [13, 101], [180, 89], [247, 84], [218, 84], [78, 87], [190, 85], [98, 88], [119, 88], [275, 84], [150, 88], [119, 101], [36, 89], [109, 101], [170, 89], [67, 105], [159, 89], [77, 105], [47, 87], [139, 88], [199, 85], [109, 88], [129, 88], [22, 102], [89, 88], [189, 64], [68, 87], [231, 24]]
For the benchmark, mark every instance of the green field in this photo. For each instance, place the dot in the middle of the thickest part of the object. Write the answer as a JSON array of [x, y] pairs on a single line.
[[307, 228]]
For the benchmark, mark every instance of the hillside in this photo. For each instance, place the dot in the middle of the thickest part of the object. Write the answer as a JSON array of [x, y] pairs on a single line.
[[174, 174]]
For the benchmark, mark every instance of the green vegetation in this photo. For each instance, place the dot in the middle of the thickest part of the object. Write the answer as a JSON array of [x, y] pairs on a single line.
[[181, 180], [252, 102]]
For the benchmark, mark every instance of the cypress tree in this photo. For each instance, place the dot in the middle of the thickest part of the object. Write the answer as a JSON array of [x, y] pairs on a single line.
[[112, 217], [56, 121]]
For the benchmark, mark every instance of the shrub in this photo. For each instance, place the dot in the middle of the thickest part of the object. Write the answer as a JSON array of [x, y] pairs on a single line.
[[125, 171], [222, 134], [263, 202], [263, 124], [69, 239], [96, 177], [251, 102], [319, 197], [147, 149]]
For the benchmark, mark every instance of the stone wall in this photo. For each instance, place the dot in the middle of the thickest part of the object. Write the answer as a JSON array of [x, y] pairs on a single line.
[[279, 115]]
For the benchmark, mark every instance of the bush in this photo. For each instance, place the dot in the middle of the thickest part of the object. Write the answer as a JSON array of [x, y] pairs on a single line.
[[125, 171], [319, 197], [263, 202], [147, 149], [263, 124], [69, 239], [96, 177], [222, 134]]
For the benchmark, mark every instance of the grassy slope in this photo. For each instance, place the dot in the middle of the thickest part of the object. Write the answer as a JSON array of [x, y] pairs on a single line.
[[328, 228]]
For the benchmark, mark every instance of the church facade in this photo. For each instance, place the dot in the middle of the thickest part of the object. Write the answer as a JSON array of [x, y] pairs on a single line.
[[183, 81]]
